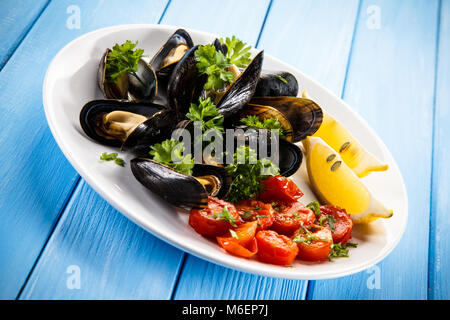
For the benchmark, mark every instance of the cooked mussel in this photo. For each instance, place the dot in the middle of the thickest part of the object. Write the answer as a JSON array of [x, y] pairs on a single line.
[[126, 124], [304, 115], [277, 84], [242, 89], [179, 189], [287, 155], [168, 56], [141, 86]]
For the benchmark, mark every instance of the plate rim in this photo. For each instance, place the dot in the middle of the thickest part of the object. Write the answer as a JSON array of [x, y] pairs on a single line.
[[287, 274]]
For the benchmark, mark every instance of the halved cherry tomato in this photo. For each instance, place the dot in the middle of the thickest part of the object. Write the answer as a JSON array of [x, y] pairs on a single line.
[[279, 189], [244, 242], [275, 248], [253, 210], [289, 217], [314, 243], [341, 225], [211, 221]]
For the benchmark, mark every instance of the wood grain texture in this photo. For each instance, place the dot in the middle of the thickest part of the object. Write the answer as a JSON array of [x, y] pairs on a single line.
[[36, 178], [331, 36], [16, 18], [439, 257], [117, 259], [391, 83]]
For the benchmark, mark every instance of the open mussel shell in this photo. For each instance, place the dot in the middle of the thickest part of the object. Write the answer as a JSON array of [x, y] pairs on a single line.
[[242, 89], [168, 56], [128, 87], [285, 154], [184, 83], [277, 84], [264, 112], [179, 189], [126, 124], [304, 115]]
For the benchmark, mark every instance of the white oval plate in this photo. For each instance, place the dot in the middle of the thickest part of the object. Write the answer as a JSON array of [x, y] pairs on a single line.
[[70, 82]]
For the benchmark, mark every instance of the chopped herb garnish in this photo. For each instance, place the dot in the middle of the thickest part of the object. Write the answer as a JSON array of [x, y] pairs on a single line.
[[112, 157], [206, 113], [214, 64], [234, 234], [226, 216], [331, 221], [282, 79], [258, 216], [315, 207], [247, 214], [171, 153], [339, 250], [238, 53]]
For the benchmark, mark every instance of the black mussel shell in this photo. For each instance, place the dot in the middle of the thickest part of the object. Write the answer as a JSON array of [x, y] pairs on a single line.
[[128, 87], [179, 189], [242, 89], [157, 126], [277, 84], [184, 83], [287, 155], [180, 37], [304, 115], [220, 47], [163, 69]]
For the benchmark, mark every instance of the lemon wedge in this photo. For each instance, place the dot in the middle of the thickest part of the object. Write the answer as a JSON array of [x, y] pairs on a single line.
[[354, 155], [335, 183]]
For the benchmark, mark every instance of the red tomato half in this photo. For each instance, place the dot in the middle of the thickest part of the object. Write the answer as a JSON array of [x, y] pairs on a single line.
[[290, 217], [279, 189], [342, 225], [275, 248], [210, 221], [253, 210], [314, 243], [244, 242]]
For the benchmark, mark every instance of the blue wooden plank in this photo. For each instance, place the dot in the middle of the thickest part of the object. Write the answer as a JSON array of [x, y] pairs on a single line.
[[16, 18], [294, 32], [391, 83], [149, 264], [36, 178], [439, 257], [114, 257]]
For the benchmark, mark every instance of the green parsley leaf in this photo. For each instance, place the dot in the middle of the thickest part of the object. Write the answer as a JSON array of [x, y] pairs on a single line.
[[237, 52], [214, 64], [226, 216], [247, 172], [171, 153], [122, 59], [206, 113], [112, 157], [339, 250], [331, 221], [315, 207], [253, 122], [247, 214], [234, 234]]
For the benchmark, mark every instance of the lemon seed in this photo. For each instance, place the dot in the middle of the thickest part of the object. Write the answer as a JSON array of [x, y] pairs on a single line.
[[344, 147], [331, 157], [336, 165]]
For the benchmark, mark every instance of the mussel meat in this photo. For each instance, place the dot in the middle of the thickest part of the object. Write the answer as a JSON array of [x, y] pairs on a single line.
[[179, 189], [126, 124]]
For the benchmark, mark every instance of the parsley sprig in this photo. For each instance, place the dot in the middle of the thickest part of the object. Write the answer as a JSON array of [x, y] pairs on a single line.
[[247, 172], [171, 153], [206, 113], [112, 157], [214, 64], [122, 59], [253, 122], [237, 52], [315, 207]]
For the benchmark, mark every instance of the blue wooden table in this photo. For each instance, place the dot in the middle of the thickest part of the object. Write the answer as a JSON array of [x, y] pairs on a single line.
[[389, 59]]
